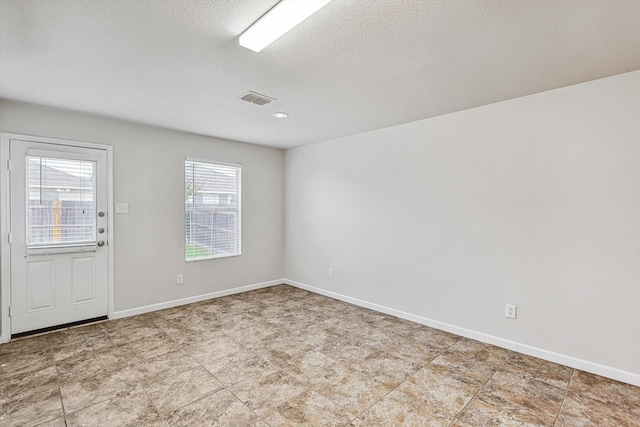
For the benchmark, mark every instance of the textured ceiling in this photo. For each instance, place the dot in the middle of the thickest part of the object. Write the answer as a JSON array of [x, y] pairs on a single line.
[[354, 66]]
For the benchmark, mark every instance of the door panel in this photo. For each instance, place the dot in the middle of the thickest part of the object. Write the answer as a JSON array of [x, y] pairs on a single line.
[[59, 274], [41, 285], [83, 279]]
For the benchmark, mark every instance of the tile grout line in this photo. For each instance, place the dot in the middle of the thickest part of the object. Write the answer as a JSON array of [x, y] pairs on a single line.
[[180, 347], [58, 380], [402, 382], [64, 413], [242, 403], [174, 375], [228, 387], [564, 398], [164, 419], [160, 413], [480, 389], [346, 336]]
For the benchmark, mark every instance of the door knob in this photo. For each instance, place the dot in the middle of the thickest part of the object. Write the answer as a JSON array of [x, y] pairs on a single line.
[[100, 242]]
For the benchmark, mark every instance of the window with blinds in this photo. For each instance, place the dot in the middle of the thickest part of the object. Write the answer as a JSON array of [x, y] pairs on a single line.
[[61, 201], [212, 209]]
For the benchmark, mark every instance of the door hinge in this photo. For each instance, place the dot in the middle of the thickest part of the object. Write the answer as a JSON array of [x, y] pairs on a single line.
[[9, 311], [8, 164], [9, 240]]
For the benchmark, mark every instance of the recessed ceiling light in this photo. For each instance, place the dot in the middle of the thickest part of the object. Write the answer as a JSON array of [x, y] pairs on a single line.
[[280, 115], [281, 18]]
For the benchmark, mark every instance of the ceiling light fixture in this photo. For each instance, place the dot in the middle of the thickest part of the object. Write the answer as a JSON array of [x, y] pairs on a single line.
[[281, 18], [280, 115]]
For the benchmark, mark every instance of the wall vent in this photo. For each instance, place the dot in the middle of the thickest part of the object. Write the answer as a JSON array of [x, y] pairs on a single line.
[[256, 98]]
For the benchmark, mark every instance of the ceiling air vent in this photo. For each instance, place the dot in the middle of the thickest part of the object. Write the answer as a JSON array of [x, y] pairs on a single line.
[[256, 98]]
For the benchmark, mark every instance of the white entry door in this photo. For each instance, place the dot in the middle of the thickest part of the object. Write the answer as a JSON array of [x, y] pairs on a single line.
[[59, 218]]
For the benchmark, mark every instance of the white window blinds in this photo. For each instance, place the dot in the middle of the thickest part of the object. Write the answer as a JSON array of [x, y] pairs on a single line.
[[61, 201], [212, 206]]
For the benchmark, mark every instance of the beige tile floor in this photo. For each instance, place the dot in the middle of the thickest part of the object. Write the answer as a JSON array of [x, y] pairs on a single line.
[[283, 356]]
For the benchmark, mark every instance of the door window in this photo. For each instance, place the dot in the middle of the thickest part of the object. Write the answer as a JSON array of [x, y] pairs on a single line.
[[61, 201]]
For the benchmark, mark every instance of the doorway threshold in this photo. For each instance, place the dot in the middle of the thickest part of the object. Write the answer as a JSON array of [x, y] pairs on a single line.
[[57, 328]]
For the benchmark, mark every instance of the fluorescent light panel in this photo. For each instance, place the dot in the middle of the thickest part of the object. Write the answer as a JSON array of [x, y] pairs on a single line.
[[280, 19]]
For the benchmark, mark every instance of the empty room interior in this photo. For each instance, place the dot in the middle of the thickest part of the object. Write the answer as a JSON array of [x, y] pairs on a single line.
[[323, 213]]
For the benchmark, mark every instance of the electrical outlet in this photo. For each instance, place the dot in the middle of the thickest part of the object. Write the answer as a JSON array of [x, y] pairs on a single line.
[[179, 279], [511, 311], [331, 273]]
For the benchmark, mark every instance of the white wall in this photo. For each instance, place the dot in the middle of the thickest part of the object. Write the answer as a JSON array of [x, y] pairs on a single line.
[[149, 175], [533, 201]]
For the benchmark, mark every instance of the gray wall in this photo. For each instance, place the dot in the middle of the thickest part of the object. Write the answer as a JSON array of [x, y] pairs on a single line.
[[533, 201], [149, 175]]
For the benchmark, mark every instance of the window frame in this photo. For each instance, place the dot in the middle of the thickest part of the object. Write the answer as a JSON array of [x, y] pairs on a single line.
[[237, 209]]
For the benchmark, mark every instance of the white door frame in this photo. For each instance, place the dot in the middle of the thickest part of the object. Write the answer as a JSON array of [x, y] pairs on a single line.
[[5, 222]]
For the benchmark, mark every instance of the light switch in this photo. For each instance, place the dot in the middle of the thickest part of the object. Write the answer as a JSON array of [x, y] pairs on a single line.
[[122, 208]]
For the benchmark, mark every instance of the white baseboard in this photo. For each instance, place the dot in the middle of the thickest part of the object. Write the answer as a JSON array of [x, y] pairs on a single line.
[[573, 362], [583, 365], [189, 300]]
